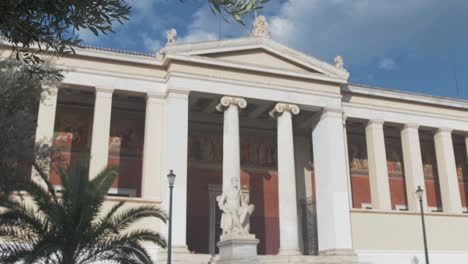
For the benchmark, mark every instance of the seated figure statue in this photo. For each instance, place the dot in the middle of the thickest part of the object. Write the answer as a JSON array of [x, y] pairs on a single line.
[[236, 211]]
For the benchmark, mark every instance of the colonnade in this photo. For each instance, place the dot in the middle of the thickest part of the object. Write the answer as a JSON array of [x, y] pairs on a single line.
[[166, 141], [332, 191], [413, 167]]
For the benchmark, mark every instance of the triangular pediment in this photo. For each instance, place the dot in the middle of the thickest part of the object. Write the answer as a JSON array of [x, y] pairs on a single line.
[[257, 54], [260, 57]]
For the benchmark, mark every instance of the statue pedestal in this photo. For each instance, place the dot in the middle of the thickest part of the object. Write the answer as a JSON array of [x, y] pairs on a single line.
[[237, 249]]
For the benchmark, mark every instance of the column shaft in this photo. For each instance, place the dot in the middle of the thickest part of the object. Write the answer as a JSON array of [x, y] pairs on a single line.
[[101, 131], [46, 116], [466, 146], [449, 190], [46, 120], [153, 149], [378, 172], [176, 159], [289, 235], [332, 198], [231, 141], [412, 160]]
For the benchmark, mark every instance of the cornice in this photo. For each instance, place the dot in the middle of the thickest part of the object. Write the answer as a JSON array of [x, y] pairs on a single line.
[[416, 114], [405, 96], [175, 74]]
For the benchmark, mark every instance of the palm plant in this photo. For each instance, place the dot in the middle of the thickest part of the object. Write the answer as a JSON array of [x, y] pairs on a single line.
[[70, 227]]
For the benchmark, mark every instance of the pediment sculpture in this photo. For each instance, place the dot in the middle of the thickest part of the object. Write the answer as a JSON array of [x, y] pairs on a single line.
[[261, 27], [339, 63], [171, 36]]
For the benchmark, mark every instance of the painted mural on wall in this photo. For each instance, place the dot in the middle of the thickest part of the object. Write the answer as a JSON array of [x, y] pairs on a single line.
[[394, 157], [429, 159], [126, 138], [434, 198], [357, 154], [72, 131], [359, 169], [461, 162], [255, 151]]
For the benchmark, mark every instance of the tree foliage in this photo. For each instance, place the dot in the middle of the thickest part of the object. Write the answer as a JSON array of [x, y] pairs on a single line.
[[20, 94], [54, 25], [71, 228], [236, 8]]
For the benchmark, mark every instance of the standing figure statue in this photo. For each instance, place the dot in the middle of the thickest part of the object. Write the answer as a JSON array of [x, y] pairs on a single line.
[[260, 27], [236, 211], [171, 36], [339, 63]]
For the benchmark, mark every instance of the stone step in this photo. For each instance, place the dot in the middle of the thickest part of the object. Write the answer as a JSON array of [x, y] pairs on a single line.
[[268, 259]]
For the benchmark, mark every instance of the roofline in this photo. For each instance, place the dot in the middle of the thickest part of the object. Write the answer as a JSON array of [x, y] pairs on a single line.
[[104, 53], [405, 96], [306, 60]]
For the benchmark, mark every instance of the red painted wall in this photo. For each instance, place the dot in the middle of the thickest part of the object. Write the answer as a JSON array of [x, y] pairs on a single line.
[[431, 177]]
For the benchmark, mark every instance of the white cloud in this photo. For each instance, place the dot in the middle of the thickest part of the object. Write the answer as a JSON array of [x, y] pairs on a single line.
[[209, 26], [153, 45], [387, 64], [365, 30]]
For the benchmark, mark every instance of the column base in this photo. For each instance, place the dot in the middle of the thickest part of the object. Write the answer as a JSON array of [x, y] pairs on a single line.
[[180, 254], [289, 252], [338, 252]]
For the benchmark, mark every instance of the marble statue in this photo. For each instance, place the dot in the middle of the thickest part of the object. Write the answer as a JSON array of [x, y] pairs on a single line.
[[260, 27], [236, 211], [171, 36], [339, 62]]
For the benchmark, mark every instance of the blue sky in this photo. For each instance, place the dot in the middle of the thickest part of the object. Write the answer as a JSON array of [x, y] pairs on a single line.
[[413, 45]]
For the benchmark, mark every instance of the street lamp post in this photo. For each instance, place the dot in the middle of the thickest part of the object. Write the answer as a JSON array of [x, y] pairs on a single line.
[[170, 179], [420, 194]]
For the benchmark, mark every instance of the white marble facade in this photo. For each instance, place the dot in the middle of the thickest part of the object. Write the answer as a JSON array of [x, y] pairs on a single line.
[[257, 69]]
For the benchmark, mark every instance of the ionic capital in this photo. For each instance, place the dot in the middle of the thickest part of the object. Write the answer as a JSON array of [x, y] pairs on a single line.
[[411, 126], [375, 122], [284, 107], [104, 91], [226, 101]]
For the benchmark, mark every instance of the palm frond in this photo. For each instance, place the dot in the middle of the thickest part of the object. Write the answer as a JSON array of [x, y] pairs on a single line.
[[125, 219], [72, 228], [14, 252], [19, 214]]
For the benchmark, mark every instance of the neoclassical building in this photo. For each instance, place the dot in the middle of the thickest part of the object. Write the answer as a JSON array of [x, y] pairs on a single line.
[[331, 167]]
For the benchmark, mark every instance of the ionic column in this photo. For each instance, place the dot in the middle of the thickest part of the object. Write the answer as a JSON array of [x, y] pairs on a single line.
[[332, 197], [449, 190], [101, 131], [153, 148], [378, 172], [176, 134], [414, 175], [231, 152], [46, 119], [466, 146], [289, 235]]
